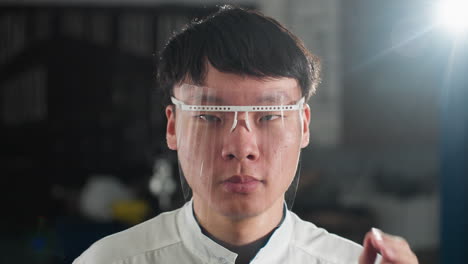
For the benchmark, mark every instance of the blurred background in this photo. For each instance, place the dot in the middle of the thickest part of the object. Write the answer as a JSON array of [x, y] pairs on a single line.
[[82, 143]]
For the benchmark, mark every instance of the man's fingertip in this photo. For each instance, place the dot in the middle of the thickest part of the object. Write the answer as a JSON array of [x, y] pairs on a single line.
[[377, 234]]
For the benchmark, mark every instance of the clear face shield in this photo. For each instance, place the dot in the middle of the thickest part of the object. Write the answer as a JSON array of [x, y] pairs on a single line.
[[238, 149]]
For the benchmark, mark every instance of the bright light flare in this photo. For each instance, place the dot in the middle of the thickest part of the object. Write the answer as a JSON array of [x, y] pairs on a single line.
[[453, 15]]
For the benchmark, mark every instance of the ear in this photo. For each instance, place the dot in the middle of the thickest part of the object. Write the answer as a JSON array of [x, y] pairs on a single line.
[[305, 126], [171, 137]]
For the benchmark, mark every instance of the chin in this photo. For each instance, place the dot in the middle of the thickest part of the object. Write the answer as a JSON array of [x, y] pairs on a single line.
[[242, 207]]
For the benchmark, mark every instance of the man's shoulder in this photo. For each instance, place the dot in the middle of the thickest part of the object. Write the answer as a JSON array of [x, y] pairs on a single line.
[[319, 243], [151, 235]]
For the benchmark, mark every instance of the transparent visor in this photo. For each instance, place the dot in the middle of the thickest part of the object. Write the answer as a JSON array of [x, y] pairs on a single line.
[[239, 149]]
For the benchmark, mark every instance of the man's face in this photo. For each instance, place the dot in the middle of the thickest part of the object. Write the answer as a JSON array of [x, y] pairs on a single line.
[[240, 164]]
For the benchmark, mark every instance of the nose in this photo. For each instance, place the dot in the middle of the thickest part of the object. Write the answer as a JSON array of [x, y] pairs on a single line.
[[240, 144]]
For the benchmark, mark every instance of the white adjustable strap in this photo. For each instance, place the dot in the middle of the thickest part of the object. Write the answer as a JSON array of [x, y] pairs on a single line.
[[235, 108]]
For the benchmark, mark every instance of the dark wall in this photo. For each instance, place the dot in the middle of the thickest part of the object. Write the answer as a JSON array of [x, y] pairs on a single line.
[[77, 98], [454, 156]]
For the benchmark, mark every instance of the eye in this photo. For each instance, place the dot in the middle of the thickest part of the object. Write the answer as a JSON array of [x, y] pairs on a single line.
[[209, 118], [270, 117]]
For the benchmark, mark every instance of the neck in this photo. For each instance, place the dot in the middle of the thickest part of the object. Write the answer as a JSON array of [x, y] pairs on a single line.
[[238, 231]]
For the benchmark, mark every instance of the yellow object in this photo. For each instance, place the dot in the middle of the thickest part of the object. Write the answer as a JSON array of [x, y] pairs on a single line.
[[130, 211]]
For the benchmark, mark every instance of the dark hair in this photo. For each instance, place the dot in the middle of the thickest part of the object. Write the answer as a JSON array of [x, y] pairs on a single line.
[[239, 41]]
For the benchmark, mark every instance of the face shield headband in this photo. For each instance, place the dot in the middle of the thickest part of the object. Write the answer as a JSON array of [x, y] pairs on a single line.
[[235, 109]]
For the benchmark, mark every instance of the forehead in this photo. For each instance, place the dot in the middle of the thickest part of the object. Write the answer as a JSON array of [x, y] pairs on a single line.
[[233, 89]]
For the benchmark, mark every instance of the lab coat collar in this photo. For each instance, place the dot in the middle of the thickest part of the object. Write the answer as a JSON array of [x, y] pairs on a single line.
[[211, 252]]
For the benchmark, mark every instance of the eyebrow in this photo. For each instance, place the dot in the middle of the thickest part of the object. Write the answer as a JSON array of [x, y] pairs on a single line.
[[205, 98], [274, 98], [269, 98]]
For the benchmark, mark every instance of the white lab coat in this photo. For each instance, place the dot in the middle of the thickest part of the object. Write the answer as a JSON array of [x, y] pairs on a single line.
[[175, 237]]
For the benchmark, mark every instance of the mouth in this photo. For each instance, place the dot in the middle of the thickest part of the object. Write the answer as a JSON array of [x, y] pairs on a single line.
[[243, 184]]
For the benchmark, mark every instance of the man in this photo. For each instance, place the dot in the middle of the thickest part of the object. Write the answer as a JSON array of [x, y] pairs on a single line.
[[237, 85]]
